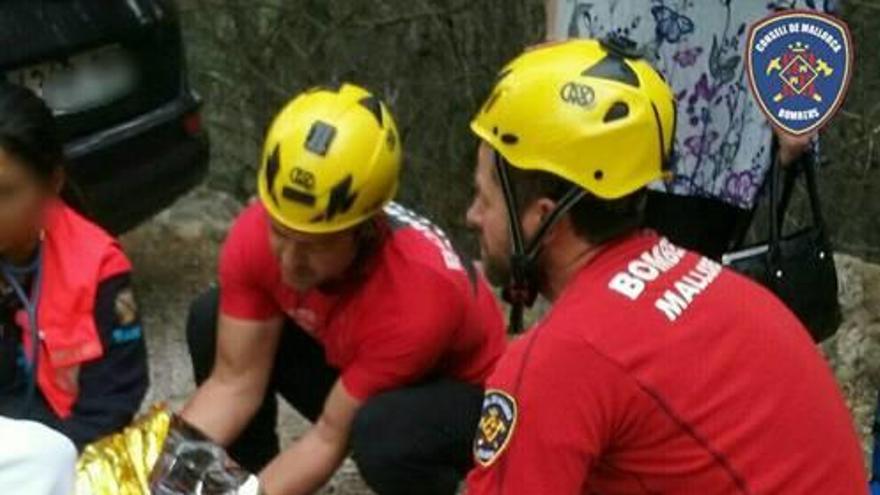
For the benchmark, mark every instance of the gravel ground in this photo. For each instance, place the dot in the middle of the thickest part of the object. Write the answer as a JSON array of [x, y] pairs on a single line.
[[854, 352], [175, 257]]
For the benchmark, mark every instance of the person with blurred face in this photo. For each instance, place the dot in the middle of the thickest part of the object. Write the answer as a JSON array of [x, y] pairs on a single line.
[[72, 353], [655, 370], [353, 308]]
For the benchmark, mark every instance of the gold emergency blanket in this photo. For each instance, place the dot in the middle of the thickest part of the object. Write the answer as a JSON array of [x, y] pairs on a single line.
[[160, 454], [121, 464]]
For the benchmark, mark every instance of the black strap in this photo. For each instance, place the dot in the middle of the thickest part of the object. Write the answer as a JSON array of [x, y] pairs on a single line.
[[510, 200], [776, 216], [568, 200], [522, 290], [779, 199], [809, 164]]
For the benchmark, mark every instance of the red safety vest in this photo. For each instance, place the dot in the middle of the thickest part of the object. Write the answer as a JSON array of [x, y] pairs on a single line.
[[77, 257]]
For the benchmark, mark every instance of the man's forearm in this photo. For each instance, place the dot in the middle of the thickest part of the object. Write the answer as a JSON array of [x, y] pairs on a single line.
[[305, 466], [221, 412]]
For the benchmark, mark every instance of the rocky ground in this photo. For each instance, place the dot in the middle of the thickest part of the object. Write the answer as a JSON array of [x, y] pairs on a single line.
[[854, 353], [176, 253]]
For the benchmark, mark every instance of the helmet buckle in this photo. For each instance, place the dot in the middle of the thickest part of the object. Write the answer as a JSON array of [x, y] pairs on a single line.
[[521, 289]]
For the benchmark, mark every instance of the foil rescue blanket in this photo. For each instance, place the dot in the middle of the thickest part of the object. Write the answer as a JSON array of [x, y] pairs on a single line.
[[159, 454]]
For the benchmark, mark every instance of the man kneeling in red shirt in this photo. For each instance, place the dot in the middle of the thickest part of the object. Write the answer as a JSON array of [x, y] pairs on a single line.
[[354, 309], [656, 370]]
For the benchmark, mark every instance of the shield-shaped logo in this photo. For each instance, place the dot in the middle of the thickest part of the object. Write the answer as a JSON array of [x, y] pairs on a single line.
[[496, 426], [799, 64]]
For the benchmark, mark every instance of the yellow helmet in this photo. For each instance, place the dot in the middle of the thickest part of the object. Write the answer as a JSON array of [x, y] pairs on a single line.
[[330, 161], [590, 112]]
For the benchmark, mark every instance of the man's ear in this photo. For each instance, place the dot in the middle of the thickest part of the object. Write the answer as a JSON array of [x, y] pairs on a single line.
[[535, 215], [547, 207]]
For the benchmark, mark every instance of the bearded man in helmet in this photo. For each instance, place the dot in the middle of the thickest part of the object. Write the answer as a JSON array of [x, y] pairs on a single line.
[[655, 370], [354, 309]]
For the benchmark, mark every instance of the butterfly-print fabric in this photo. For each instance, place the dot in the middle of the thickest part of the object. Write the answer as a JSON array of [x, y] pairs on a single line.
[[722, 139]]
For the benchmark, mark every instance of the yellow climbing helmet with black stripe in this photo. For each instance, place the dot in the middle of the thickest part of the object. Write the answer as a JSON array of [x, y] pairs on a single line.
[[331, 160], [591, 112]]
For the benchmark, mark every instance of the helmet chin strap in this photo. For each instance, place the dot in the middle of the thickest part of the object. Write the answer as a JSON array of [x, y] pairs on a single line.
[[522, 289]]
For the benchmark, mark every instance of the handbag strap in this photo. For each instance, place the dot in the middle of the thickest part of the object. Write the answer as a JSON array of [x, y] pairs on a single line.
[[778, 205], [789, 178], [808, 163], [774, 210], [779, 199]]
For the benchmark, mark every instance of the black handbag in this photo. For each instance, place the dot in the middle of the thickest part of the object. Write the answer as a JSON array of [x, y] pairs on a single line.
[[798, 268]]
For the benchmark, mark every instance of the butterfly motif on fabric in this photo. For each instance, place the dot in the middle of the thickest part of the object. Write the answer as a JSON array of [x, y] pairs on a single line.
[[742, 184], [722, 68], [688, 56], [828, 6], [671, 26], [699, 145], [702, 91]]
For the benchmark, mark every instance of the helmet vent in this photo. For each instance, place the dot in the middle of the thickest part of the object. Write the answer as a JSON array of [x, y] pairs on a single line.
[[617, 111], [320, 137], [614, 68], [660, 133], [509, 139], [273, 164], [598, 175], [502, 75], [294, 195], [373, 104], [341, 198]]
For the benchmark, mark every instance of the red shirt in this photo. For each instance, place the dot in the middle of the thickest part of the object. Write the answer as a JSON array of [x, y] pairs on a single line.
[[417, 312], [657, 371]]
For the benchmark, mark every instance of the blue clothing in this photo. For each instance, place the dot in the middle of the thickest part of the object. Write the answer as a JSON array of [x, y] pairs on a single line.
[[111, 388]]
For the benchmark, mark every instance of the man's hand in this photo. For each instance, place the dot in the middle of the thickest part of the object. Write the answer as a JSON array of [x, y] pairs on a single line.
[[792, 147], [308, 464], [228, 399]]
